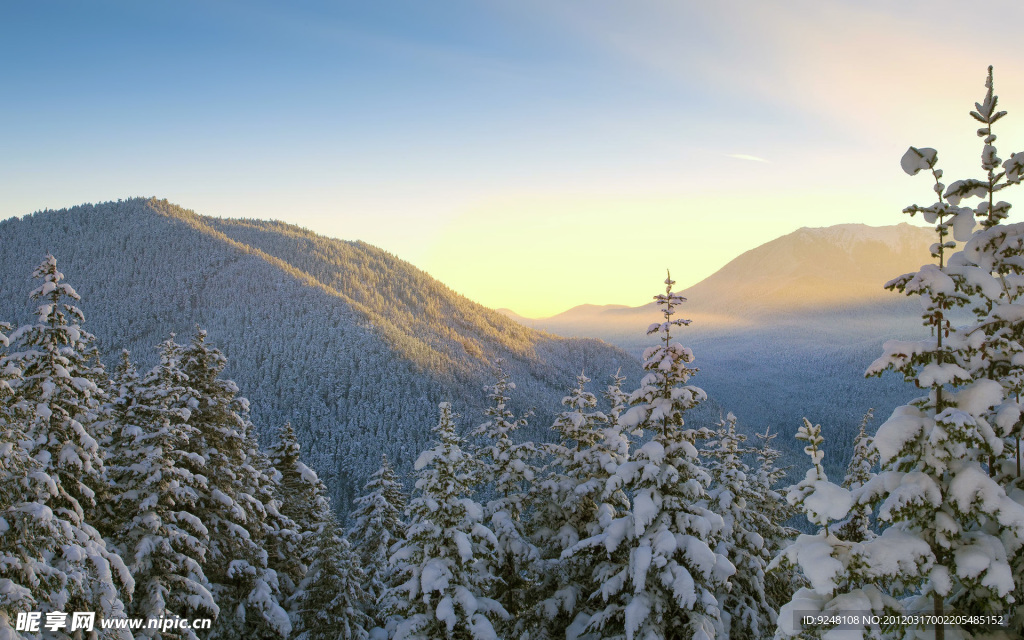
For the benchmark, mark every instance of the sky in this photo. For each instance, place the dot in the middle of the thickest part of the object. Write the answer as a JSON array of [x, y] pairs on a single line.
[[530, 154]]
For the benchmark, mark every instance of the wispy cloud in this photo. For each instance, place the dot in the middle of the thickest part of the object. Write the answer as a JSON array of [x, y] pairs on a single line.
[[745, 156]]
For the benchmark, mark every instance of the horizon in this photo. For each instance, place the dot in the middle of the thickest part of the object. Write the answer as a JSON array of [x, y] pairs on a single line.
[[679, 288], [531, 156]]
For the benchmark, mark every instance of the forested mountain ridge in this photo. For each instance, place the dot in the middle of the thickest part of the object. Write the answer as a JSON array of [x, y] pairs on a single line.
[[350, 344]]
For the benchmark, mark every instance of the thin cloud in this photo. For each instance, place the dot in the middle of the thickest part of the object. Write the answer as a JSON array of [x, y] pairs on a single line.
[[745, 156]]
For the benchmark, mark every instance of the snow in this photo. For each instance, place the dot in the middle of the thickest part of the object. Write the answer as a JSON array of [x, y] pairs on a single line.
[[963, 225], [913, 489], [980, 396], [463, 544], [653, 451], [445, 612], [897, 553], [645, 509], [905, 424], [814, 554], [827, 501], [915, 160], [940, 580], [640, 562], [481, 628], [636, 613], [934, 374]]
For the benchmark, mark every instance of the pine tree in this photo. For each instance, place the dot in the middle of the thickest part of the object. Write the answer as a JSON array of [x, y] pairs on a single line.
[[660, 576], [157, 488], [442, 571], [937, 453], [16, 484], [571, 501], [378, 526], [330, 601], [52, 557], [768, 501], [58, 382], [839, 577], [733, 495], [505, 469], [233, 507], [300, 510], [857, 527], [989, 268]]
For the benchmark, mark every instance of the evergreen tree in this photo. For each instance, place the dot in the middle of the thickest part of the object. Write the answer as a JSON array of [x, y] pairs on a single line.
[[660, 576], [157, 488], [505, 469], [733, 495], [571, 502], [16, 472], [442, 571], [989, 268], [859, 472], [378, 526], [52, 557], [330, 601], [233, 506], [839, 576], [772, 504], [58, 382], [937, 453], [300, 510]]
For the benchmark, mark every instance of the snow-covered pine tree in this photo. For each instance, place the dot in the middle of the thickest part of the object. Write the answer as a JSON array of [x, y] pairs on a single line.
[[232, 507], [31, 537], [570, 501], [937, 452], [504, 470], [660, 575], [442, 571], [157, 487], [746, 613], [58, 402], [284, 540], [768, 501], [990, 268], [330, 601], [617, 398], [378, 526], [58, 382], [857, 528], [15, 485], [302, 510], [839, 577]]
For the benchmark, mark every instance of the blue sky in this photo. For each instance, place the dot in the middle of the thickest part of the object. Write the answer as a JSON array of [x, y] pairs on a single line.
[[530, 154]]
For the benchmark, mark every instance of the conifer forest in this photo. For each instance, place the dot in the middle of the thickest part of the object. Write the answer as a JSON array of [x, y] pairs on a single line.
[[423, 505]]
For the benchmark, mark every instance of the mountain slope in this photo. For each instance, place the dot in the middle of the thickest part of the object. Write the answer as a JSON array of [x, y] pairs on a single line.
[[350, 344], [815, 269]]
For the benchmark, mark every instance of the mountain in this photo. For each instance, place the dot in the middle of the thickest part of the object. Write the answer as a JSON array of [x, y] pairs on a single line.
[[813, 269], [352, 345], [787, 329], [810, 272]]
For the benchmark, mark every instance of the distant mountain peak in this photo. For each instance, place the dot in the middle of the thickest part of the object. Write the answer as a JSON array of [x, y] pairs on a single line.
[[847, 235]]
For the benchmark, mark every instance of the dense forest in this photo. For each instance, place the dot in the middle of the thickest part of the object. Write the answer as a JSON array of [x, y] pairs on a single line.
[[352, 346], [143, 493]]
